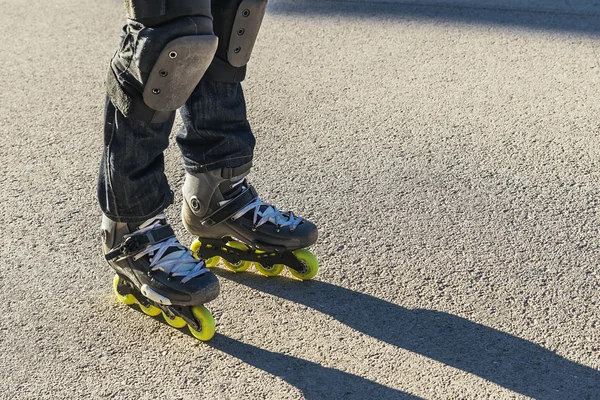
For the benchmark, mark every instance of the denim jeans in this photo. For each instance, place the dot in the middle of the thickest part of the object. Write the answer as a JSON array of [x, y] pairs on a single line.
[[132, 186]]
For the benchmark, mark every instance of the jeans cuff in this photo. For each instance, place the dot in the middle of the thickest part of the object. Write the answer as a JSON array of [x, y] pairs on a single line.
[[192, 167], [128, 218]]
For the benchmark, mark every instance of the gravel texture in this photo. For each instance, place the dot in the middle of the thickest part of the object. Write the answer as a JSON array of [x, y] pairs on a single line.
[[448, 150]]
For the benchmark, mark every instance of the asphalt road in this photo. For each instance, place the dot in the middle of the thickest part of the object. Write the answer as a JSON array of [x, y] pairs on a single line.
[[448, 150]]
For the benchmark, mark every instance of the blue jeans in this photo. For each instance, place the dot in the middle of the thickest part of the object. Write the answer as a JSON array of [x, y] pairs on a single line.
[[132, 186]]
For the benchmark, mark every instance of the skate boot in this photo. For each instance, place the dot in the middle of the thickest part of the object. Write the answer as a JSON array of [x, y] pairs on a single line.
[[159, 274], [234, 225]]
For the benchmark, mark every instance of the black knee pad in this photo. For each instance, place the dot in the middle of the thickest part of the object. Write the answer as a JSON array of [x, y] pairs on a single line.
[[166, 47], [236, 23]]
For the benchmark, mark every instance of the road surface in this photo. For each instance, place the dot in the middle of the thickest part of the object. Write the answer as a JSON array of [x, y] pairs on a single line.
[[448, 150]]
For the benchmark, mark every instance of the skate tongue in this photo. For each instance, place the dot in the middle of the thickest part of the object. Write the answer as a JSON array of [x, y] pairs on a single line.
[[266, 210], [160, 219], [174, 253]]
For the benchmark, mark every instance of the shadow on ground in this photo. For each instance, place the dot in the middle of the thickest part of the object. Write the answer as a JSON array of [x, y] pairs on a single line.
[[511, 362], [314, 380], [548, 15]]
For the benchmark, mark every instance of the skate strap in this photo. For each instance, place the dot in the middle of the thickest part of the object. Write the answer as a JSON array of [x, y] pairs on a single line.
[[135, 243], [229, 209]]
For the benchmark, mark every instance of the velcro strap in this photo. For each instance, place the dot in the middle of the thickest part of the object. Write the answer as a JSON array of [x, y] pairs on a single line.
[[229, 209], [134, 244], [129, 104], [229, 173]]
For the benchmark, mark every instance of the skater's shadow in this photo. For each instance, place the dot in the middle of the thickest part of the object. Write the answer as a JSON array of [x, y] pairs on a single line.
[[314, 380], [511, 362]]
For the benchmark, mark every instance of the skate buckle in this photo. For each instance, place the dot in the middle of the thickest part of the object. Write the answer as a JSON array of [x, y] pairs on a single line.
[[131, 245]]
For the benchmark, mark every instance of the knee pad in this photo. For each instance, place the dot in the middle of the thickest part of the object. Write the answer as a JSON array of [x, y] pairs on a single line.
[[166, 48], [236, 23]]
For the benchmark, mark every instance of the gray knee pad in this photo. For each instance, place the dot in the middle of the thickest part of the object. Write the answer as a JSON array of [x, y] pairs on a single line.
[[236, 23], [167, 46]]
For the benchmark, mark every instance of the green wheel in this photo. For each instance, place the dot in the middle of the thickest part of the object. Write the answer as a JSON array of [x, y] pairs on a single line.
[[176, 322], [151, 311], [207, 323], [128, 299], [239, 266], [309, 262], [213, 261], [272, 270]]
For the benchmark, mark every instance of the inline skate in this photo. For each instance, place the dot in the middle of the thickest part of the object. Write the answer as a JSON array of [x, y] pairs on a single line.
[[159, 274], [233, 225]]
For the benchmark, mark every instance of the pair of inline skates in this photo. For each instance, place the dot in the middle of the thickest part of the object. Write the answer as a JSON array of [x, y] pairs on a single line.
[[231, 223]]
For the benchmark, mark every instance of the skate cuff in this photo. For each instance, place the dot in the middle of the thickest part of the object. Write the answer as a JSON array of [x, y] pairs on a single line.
[[229, 209], [134, 244]]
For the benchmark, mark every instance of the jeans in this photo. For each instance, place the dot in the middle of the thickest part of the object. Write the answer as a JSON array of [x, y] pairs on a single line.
[[132, 186]]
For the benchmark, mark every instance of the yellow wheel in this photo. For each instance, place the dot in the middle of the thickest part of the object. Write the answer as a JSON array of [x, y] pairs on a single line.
[[272, 270], [151, 311], [207, 323], [239, 266], [128, 299], [211, 262], [176, 322], [309, 262]]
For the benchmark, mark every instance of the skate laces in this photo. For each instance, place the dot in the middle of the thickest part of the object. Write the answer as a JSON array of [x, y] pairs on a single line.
[[178, 262], [266, 212]]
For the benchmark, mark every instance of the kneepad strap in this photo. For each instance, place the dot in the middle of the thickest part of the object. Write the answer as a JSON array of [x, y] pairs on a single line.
[[244, 32], [236, 23]]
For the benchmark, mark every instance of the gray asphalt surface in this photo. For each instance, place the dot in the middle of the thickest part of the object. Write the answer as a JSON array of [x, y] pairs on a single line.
[[448, 150]]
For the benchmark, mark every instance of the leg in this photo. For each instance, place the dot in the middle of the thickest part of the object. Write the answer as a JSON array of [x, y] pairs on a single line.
[[220, 207], [132, 185], [216, 133], [166, 48]]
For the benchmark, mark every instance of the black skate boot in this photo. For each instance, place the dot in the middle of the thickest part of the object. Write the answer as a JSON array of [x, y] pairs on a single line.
[[159, 274], [232, 223]]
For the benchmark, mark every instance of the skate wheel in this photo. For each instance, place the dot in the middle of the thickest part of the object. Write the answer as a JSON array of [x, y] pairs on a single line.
[[151, 311], [128, 299], [176, 322], [271, 270], [211, 262], [207, 323], [309, 262], [239, 266]]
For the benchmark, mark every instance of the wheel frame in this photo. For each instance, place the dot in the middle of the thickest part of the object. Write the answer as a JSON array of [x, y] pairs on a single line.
[[210, 262]]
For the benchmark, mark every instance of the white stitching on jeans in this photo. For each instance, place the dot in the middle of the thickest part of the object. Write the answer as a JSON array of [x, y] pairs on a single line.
[[220, 161], [196, 25], [107, 165]]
